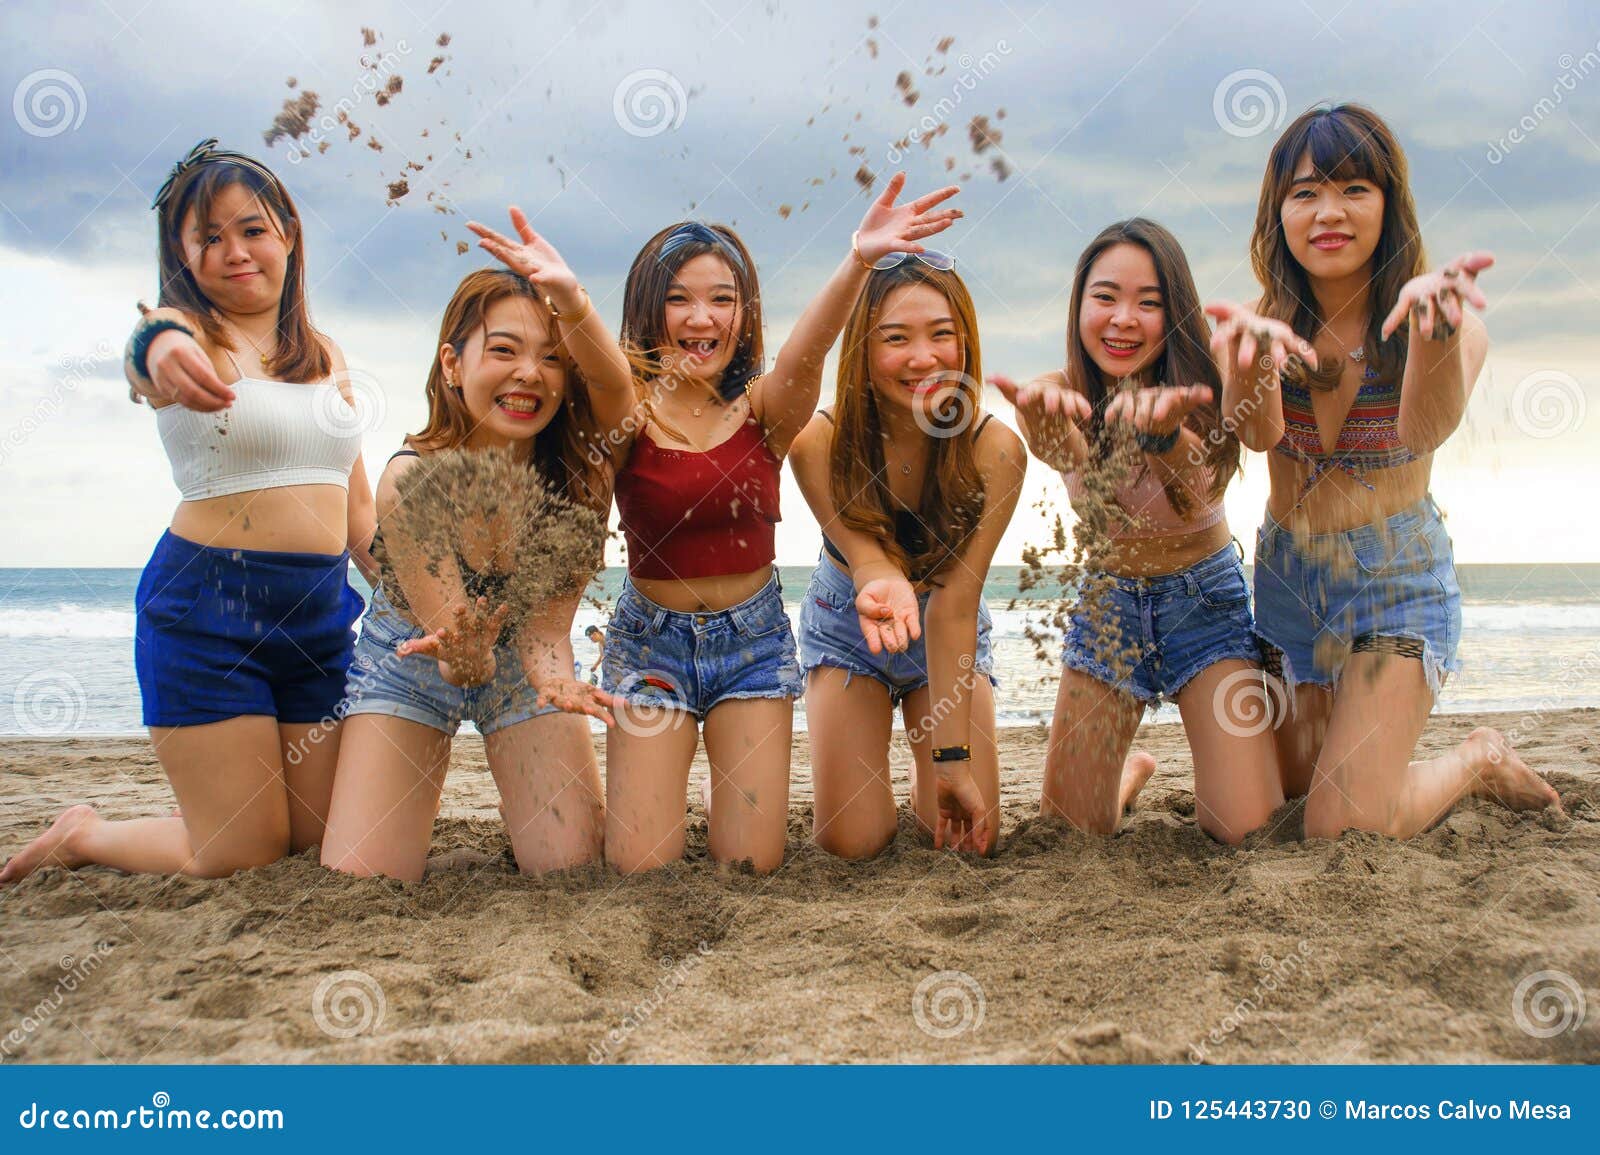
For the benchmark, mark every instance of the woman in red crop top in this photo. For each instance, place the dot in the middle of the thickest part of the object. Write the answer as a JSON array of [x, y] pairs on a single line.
[[1163, 612], [1356, 597], [699, 634]]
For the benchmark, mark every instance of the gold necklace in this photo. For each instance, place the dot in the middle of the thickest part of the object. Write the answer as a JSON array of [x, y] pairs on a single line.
[[253, 345]]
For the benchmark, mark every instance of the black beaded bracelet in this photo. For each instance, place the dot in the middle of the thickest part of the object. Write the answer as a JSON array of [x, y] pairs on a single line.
[[1157, 443], [962, 753], [144, 333]]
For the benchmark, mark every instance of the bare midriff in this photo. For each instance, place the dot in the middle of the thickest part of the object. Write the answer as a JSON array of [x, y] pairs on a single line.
[[287, 519], [1153, 556], [706, 594], [1338, 501]]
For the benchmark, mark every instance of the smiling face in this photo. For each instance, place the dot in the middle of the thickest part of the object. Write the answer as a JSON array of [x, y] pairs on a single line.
[[703, 317], [511, 379], [1332, 226], [1122, 320], [239, 256], [915, 354]]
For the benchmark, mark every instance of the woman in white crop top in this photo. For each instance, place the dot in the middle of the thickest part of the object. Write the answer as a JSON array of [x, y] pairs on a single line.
[[244, 613]]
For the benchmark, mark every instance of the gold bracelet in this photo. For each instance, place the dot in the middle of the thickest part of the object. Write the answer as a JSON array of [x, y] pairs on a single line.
[[588, 307], [855, 249]]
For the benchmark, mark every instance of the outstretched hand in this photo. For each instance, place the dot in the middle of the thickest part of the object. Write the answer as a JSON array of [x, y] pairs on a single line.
[[1157, 409], [1241, 334], [574, 697], [889, 616], [891, 228], [464, 650], [533, 257], [1435, 298]]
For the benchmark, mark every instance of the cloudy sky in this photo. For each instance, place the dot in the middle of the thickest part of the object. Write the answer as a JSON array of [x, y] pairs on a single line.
[[608, 120]]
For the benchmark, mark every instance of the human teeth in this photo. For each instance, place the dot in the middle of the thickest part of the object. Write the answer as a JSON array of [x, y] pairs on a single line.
[[1122, 344], [699, 346], [519, 404]]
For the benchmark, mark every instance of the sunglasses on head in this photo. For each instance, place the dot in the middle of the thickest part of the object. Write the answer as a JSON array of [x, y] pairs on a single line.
[[944, 262], [204, 153]]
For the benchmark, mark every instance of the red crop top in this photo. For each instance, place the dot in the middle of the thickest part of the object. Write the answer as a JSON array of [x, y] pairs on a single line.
[[693, 515]]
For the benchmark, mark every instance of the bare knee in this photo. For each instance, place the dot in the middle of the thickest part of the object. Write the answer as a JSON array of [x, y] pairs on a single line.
[[1233, 829], [222, 861], [855, 840], [1097, 820], [1324, 816]]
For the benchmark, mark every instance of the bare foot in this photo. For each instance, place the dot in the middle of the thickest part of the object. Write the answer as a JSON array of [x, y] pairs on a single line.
[[1501, 776], [1136, 772], [55, 847], [705, 795]]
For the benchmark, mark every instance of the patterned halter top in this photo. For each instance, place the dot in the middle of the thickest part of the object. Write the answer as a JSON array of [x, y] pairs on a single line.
[[1369, 438]]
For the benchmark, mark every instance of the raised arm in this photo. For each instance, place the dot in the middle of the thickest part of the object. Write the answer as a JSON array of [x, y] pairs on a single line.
[[784, 399], [167, 362], [952, 621], [590, 343], [1445, 352]]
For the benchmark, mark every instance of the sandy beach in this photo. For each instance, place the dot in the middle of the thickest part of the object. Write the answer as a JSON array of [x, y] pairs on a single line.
[[1478, 941]]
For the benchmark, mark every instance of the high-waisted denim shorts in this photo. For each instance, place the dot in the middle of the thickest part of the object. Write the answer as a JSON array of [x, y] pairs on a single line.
[[220, 633], [830, 635], [1150, 636], [382, 682], [1325, 595], [691, 661]]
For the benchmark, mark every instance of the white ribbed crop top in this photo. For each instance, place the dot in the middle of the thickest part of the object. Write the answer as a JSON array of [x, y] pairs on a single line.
[[276, 433]]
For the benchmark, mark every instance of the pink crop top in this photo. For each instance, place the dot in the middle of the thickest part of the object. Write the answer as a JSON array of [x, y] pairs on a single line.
[[1145, 501]]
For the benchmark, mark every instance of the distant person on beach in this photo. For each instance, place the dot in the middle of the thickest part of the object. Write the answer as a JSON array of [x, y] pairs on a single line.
[[913, 486], [699, 636], [525, 368], [244, 613], [594, 634], [1147, 441], [1356, 598]]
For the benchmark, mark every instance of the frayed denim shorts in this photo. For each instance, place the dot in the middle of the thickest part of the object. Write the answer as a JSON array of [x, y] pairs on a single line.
[[382, 682], [1389, 586], [1149, 637], [692, 661], [830, 635]]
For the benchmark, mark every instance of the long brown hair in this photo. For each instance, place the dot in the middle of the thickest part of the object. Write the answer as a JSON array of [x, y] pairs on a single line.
[[644, 300], [563, 451], [1185, 355], [952, 500], [301, 354], [1347, 142]]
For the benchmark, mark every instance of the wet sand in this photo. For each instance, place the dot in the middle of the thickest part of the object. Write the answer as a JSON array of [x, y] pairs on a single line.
[[1468, 944]]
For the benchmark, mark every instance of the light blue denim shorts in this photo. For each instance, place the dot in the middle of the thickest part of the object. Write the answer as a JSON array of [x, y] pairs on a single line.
[[1326, 595], [382, 682], [830, 635], [660, 657], [1162, 630]]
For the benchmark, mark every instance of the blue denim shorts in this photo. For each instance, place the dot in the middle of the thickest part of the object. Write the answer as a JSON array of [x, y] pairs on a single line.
[[219, 633], [1163, 630], [1321, 597], [382, 682], [830, 635], [660, 657]]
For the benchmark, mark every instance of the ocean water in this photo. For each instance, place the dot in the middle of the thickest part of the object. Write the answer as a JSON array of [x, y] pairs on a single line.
[[1530, 641]]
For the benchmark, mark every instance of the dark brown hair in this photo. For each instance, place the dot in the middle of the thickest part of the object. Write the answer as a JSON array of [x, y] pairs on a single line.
[[302, 354], [644, 300], [952, 500], [563, 450], [1185, 354], [1347, 142]]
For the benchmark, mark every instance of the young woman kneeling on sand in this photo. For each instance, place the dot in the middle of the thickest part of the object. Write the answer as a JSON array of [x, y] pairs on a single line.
[[699, 633], [1356, 597], [913, 486], [499, 491], [243, 614], [1136, 426]]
